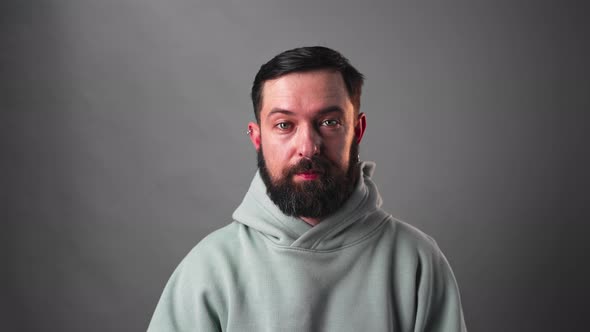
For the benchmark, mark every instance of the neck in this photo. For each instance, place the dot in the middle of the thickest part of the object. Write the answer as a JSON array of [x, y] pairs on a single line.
[[311, 221]]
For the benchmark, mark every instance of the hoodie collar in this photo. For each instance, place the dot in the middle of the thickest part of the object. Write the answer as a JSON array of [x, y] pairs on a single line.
[[355, 220]]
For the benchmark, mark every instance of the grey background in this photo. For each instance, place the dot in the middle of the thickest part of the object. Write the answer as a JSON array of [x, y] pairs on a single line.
[[122, 145]]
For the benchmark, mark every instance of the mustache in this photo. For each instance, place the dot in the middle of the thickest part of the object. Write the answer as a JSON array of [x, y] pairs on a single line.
[[314, 164]]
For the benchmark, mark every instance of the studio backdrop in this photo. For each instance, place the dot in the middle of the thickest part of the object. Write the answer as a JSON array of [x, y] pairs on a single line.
[[122, 144]]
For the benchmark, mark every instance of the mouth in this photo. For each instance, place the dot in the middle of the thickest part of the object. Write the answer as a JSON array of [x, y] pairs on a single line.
[[307, 175]]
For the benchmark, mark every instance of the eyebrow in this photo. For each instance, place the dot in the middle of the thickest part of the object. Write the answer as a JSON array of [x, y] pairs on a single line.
[[280, 111], [329, 109]]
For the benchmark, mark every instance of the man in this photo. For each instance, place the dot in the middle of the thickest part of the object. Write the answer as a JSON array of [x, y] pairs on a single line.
[[310, 249]]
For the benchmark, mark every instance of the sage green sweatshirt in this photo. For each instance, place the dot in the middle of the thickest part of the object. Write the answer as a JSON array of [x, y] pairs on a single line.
[[357, 270]]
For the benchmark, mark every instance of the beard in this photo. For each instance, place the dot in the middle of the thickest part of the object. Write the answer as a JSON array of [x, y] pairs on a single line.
[[315, 198]]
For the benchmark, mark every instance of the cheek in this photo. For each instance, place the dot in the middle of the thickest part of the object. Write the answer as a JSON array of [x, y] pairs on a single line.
[[275, 156], [338, 152]]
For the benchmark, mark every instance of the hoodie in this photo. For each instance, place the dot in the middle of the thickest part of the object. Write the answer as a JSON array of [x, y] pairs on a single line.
[[357, 270]]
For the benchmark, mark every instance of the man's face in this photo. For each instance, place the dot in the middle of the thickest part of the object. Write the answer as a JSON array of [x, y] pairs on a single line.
[[307, 142]]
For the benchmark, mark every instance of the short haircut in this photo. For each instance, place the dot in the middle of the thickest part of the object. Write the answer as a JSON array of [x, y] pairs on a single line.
[[304, 59]]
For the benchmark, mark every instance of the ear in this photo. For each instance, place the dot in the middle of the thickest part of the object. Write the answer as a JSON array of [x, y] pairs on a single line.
[[359, 129], [254, 133]]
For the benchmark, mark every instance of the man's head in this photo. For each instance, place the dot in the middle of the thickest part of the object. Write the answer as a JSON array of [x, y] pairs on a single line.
[[307, 103], [307, 59]]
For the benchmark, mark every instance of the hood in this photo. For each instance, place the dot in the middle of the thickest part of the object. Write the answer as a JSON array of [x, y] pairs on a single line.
[[357, 218]]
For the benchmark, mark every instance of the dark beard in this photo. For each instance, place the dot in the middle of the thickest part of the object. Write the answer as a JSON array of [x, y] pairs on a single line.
[[314, 198]]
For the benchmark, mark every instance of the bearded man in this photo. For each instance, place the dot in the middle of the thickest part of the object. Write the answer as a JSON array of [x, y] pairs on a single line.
[[310, 248]]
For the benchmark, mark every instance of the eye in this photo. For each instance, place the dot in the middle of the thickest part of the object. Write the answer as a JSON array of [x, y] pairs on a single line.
[[284, 125], [330, 123]]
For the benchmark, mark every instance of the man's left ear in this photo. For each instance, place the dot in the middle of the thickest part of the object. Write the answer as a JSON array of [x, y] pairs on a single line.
[[359, 129]]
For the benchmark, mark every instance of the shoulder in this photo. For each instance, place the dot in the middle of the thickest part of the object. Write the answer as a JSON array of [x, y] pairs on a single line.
[[406, 235], [412, 244], [213, 249], [213, 259], [423, 280], [193, 298]]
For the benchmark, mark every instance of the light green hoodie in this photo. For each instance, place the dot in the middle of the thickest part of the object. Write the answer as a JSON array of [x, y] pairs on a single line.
[[357, 270]]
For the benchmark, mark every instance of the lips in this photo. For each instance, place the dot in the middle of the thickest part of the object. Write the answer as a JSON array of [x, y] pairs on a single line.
[[308, 175], [309, 169]]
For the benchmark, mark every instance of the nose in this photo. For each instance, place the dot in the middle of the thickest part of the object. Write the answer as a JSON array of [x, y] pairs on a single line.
[[308, 141]]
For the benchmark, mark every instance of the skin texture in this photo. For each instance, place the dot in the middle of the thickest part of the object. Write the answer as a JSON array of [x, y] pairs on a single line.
[[304, 114]]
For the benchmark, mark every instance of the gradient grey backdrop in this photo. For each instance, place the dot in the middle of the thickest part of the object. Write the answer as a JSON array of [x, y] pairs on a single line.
[[122, 145]]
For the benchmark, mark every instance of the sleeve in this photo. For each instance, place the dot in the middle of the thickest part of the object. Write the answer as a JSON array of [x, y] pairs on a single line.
[[438, 299], [186, 305]]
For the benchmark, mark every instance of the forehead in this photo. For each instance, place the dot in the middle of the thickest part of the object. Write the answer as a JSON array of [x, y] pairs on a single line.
[[305, 92]]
